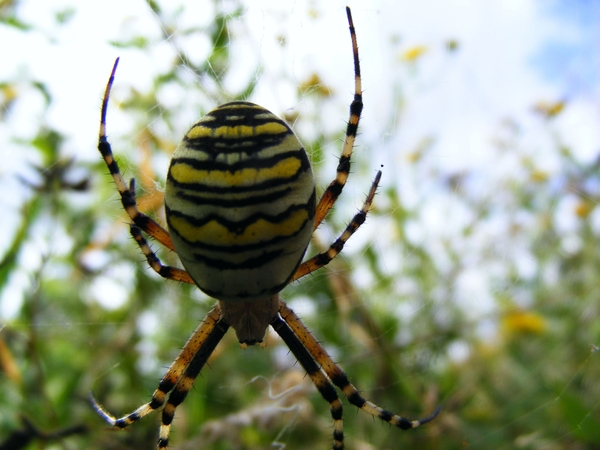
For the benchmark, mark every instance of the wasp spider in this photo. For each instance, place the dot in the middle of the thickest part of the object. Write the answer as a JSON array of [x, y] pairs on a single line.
[[241, 208]]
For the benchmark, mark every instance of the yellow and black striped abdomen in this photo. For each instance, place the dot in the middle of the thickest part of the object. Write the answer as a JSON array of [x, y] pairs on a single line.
[[240, 202]]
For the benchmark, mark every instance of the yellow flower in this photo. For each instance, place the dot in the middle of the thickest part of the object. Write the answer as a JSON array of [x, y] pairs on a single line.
[[537, 176], [523, 322], [314, 84], [584, 208], [413, 53], [549, 109]]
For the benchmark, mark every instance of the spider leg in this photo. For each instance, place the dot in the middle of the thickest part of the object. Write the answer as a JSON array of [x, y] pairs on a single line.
[[335, 187], [317, 377], [339, 378], [325, 257], [186, 381], [127, 192], [168, 272], [194, 353]]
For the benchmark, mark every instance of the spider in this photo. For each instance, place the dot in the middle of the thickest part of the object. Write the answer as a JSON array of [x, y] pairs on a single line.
[[241, 208]]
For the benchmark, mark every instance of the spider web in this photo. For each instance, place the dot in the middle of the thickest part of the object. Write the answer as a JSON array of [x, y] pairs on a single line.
[[471, 285]]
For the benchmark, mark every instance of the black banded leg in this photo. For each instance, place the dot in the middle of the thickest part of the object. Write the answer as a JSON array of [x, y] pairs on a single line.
[[168, 272], [325, 257], [317, 377], [127, 192], [339, 378], [186, 381], [335, 187], [192, 347]]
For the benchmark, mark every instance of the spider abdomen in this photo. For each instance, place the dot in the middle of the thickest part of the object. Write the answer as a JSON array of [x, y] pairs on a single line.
[[240, 202]]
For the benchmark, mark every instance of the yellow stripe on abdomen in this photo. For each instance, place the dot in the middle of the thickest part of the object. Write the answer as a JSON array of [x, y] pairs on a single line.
[[216, 234], [236, 131], [248, 176]]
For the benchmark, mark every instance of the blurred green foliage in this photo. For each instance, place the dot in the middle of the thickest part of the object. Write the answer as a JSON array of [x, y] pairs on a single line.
[[533, 386]]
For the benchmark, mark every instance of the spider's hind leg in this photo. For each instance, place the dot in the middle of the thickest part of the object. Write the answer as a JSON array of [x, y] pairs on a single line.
[[334, 189], [126, 192], [168, 272]]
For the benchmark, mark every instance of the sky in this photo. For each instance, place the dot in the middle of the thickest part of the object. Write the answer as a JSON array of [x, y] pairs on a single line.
[[510, 56]]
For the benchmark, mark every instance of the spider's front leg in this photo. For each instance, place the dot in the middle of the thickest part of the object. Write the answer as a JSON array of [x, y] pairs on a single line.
[[340, 379], [179, 378], [317, 376]]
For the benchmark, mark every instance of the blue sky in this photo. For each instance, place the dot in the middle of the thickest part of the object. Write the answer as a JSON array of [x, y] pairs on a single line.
[[571, 59]]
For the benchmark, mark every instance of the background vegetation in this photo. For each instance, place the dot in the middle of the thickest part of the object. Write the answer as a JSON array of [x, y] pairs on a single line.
[[81, 310]]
